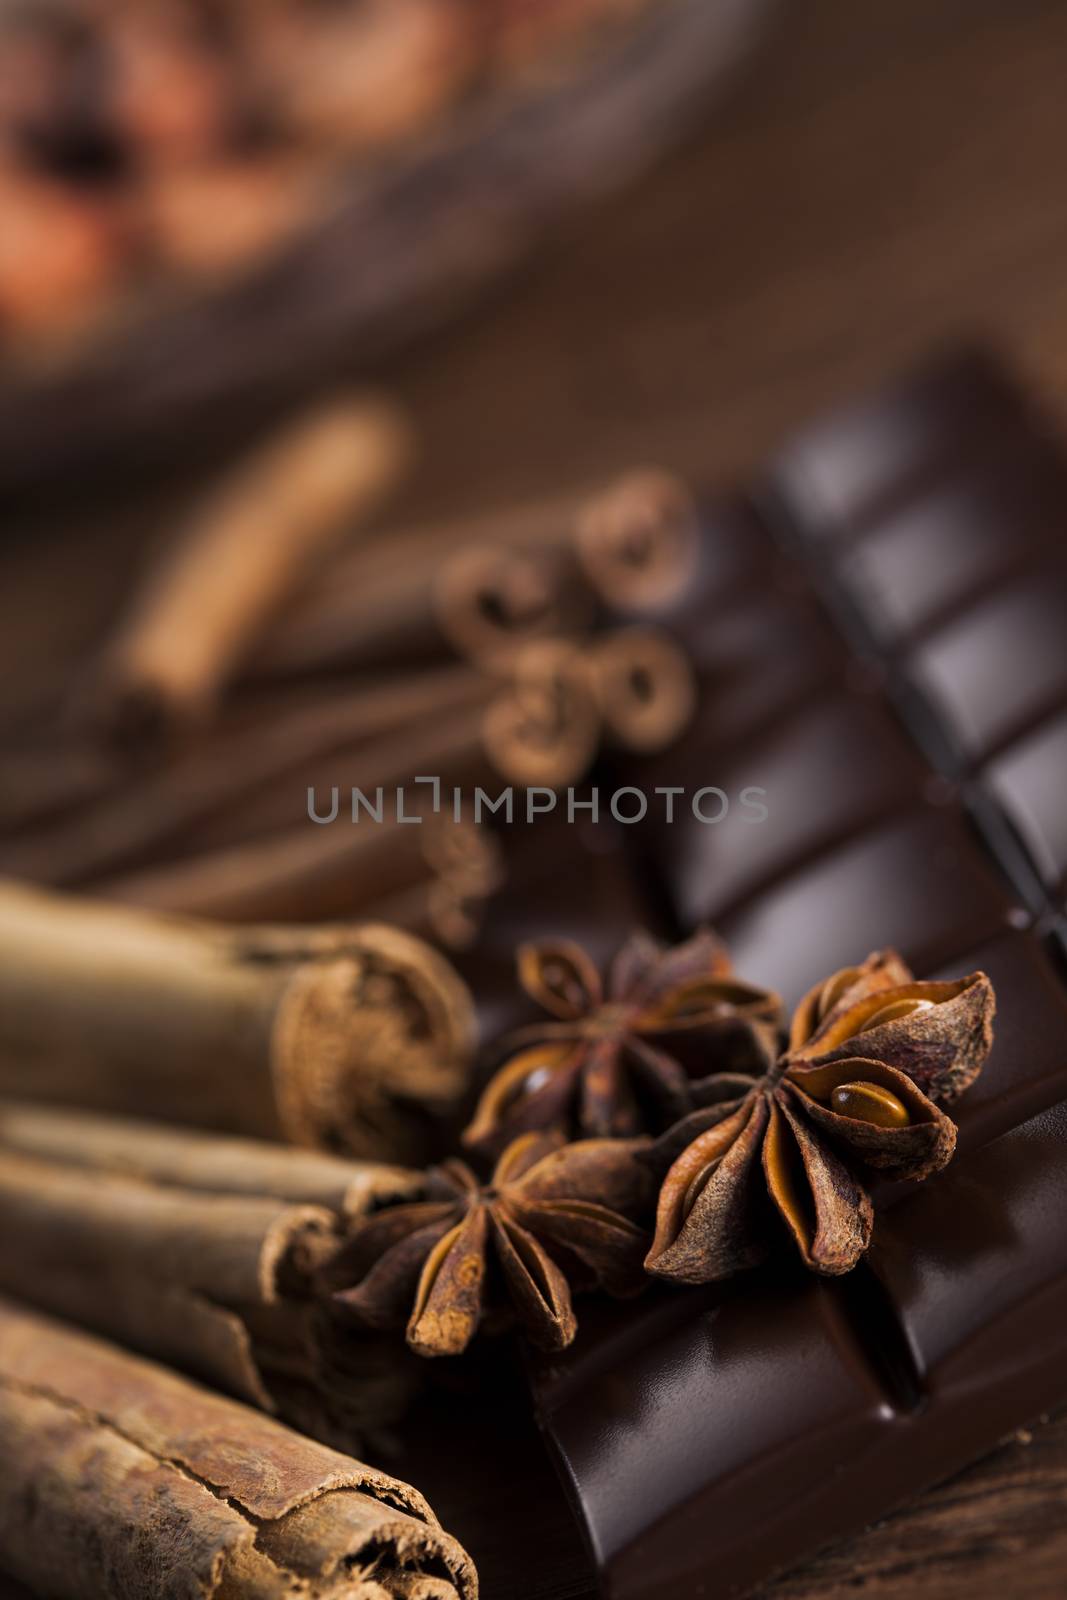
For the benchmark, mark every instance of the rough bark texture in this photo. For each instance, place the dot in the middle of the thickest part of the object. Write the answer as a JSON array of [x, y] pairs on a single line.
[[189, 1159], [200, 1252], [343, 1035], [124, 1482]]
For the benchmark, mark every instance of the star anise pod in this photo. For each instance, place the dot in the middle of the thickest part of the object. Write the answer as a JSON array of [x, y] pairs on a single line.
[[869, 1053], [553, 1218], [600, 1068]]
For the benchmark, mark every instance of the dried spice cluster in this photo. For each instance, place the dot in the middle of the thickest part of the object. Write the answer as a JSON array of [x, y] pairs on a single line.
[[674, 1068]]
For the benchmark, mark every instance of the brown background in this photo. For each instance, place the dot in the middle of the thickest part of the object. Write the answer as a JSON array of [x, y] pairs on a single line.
[[887, 175]]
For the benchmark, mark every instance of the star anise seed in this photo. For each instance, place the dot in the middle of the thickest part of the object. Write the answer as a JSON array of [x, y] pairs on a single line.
[[869, 1053], [554, 1217], [599, 1069]]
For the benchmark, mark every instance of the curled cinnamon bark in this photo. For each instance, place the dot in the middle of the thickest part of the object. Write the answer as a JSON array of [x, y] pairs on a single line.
[[477, 588], [240, 555], [245, 772], [200, 1251], [190, 1160], [481, 588], [122, 1479], [639, 540], [407, 875], [349, 1036], [537, 725], [644, 686]]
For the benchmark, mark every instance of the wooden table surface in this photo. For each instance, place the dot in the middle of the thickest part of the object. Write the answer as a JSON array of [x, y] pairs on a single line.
[[886, 176]]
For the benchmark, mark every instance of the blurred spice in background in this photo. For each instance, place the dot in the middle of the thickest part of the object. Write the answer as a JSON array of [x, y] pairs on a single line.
[[145, 145]]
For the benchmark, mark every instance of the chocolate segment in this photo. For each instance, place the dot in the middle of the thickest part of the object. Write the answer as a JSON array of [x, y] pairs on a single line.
[[680, 1419], [918, 884], [952, 544], [977, 1272], [754, 662], [812, 779], [1026, 1071], [1001, 666], [839, 473], [1028, 780]]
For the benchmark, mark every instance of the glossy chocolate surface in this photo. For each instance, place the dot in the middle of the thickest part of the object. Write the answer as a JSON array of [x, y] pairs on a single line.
[[918, 883], [839, 473], [753, 661], [708, 1438], [1001, 666], [837, 763], [949, 545], [713, 1441], [1027, 1067], [698, 1387], [1028, 781]]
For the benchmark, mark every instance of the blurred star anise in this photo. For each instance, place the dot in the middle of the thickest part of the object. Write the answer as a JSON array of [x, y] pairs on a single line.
[[869, 1052], [553, 1217], [599, 1069]]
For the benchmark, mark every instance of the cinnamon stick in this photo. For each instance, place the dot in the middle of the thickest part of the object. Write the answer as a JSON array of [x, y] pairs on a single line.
[[536, 726], [409, 875], [199, 1162], [123, 1481], [200, 1251], [450, 914], [47, 779], [243, 758], [226, 834], [480, 588], [638, 542], [239, 556], [349, 1036], [644, 686], [476, 589]]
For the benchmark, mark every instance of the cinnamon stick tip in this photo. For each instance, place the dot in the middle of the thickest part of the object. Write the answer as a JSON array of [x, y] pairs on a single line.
[[372, 1039]]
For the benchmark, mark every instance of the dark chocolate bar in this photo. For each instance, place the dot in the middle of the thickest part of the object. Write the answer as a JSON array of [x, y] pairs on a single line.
[[983, 522], [840, 473], [914, 753], [918, 883], [1000, 667], [837, 762], [1028, 781]]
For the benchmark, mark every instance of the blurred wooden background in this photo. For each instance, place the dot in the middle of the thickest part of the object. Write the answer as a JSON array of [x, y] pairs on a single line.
[[887, 174]]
